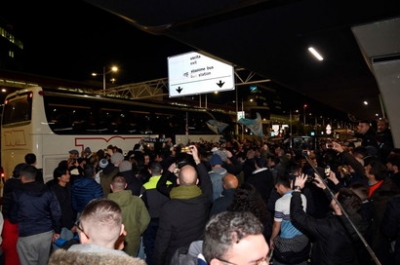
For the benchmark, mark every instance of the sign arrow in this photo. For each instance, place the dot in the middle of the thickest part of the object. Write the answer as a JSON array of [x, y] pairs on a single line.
[[194, 73]]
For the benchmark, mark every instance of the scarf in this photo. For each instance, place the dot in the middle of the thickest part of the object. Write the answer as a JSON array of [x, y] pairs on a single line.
[[185, 192], [373, 188]]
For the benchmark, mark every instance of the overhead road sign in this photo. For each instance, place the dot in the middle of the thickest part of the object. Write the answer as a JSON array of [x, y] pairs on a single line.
[[194, 73]]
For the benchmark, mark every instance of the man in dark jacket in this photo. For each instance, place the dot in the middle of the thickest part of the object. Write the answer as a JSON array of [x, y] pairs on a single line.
[[37, 212], [261, 178], [367, 134], [153, 200], [384, 138], [184, 216], [61, 187], [381, 190], [390, 226], [333, 237]]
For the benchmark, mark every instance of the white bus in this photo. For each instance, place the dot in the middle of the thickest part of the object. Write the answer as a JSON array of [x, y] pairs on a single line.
[[50, 122]]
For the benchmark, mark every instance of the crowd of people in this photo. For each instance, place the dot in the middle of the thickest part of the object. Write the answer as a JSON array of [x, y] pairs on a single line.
[[227, 202]]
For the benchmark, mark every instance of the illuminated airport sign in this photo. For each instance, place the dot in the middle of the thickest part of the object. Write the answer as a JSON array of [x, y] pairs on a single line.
[[194, 73]]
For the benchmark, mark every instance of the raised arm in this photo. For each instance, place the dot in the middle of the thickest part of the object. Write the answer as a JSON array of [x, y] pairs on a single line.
[[350, 159], [202, 173], [162, 186]]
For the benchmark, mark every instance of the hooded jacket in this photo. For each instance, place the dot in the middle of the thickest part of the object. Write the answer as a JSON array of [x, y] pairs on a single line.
[[35, 209], [135, 217]]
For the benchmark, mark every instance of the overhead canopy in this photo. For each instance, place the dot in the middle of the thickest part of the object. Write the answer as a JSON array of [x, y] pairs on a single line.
[[271, 38]]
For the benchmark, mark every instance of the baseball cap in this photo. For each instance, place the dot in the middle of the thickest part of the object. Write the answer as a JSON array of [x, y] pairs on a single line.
[[74, 151]]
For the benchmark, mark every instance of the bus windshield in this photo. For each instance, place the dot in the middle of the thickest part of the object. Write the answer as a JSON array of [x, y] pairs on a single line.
[[18, 109]]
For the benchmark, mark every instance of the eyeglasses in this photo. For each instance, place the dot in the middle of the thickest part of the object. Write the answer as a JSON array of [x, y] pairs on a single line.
[[258, 262], [79, 227]]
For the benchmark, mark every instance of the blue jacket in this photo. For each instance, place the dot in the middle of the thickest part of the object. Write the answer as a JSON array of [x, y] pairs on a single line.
[[36, 210], [216, 176], [83, 191]]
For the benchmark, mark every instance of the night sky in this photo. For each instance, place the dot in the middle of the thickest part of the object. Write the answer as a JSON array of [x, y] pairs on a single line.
[[71, 39]]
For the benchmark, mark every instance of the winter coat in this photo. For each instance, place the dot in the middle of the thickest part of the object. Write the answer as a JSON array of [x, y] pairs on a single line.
[[222, 203], [263, 180], [152, 198], [333, 236], [83, 191], [390, 226], [182, 221], [85, 256], [63, 194], [36, 210], [135, 217], [379, 199]]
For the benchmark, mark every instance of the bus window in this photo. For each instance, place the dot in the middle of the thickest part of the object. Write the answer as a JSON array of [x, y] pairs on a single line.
[[18, 110], [65, 119], [109, 119], [178, 123], [138, 122], [197, 123]]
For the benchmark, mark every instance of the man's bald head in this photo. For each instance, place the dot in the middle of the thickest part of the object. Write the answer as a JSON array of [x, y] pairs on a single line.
[[230, 181], [187, 176]]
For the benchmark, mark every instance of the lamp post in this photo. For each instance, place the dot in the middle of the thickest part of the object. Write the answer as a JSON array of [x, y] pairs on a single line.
[[104, 74], [291, 127], [304, 117]]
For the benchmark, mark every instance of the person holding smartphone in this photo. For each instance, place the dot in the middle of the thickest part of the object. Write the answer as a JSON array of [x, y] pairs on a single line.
[[334, 236]]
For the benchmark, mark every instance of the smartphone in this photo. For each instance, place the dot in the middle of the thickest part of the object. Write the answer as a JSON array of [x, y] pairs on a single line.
[[185, 149], [327, 171]]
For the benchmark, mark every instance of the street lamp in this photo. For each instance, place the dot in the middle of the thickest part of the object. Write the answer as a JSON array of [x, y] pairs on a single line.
[[291, 127], [304, 117], [104, 74]]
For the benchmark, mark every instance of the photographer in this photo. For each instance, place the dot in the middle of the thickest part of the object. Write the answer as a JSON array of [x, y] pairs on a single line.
[[182, 219], [333, 236], [351, 169], [321, 203]]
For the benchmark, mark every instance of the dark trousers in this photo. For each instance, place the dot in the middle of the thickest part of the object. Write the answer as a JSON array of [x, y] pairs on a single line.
[[149, 239]]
